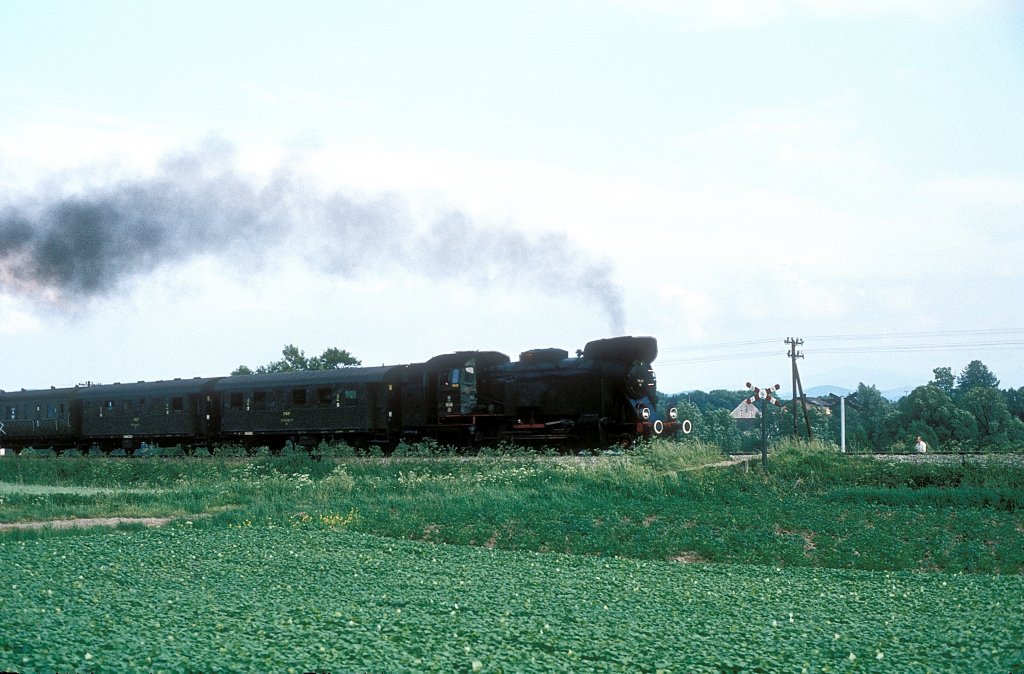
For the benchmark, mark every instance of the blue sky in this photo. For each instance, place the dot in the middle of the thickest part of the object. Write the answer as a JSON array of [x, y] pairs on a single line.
[[455, 175]]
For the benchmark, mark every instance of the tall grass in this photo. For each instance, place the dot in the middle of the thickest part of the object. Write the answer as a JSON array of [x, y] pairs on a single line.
[[814, 506]]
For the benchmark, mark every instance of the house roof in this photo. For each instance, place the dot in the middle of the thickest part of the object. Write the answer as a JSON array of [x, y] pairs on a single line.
[[745, 411]]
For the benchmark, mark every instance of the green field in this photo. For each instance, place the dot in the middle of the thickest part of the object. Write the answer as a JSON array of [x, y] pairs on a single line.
[[647, 562]]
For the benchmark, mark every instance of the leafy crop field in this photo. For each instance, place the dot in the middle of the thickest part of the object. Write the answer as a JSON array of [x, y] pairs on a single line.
[[314, 597], [660, 560]]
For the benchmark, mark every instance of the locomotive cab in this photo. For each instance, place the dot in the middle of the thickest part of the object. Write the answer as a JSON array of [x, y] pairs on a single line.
[[457, 389], [449, 397]]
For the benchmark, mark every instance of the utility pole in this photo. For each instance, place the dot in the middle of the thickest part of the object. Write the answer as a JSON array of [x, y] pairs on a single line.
[[842, 424], [765, 396], [793, 354]]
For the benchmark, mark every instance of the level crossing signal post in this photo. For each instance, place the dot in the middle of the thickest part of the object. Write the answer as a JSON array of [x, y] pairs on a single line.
[[765, 396]]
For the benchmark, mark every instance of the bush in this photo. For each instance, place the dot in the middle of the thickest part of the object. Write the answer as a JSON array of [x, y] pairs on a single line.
[[333, 450]]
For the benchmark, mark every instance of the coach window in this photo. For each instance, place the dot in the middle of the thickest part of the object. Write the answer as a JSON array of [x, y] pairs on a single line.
[[177, 404], [259, 400], [235, 400], [51, 411], [299, 396], [350, 397], [323, 396]]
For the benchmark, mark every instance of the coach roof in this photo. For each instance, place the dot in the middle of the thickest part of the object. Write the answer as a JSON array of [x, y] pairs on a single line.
[[344, 375]]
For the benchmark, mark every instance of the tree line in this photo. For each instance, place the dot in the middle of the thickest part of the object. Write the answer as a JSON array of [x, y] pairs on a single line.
[[294, 359], [952, 413]]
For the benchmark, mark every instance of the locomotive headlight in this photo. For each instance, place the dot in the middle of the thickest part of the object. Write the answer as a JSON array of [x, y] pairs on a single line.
[[645, 412], [673, 413]]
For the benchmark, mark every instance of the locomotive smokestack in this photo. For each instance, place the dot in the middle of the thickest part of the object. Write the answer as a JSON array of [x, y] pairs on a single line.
[[69, 248]]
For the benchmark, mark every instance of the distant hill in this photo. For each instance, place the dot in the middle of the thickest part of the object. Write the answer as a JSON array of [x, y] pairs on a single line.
[[895, 394], [892, 394], [822, 391]]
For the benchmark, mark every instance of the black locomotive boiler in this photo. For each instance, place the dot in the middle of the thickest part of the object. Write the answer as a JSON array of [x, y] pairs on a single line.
[[603, 394]]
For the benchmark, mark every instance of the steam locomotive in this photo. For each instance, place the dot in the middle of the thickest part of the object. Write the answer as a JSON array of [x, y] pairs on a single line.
[[603, 395]]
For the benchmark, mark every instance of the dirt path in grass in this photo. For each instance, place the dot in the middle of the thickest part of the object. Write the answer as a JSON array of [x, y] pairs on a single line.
[[87, 522], [14, 488]]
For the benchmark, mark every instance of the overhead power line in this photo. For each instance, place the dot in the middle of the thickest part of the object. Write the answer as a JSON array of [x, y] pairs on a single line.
[[711, 358], [898, 342], [719, 345], [919, 335], [934, 346]]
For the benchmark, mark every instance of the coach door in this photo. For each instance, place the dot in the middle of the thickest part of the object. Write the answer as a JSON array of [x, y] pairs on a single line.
[[208, 411]]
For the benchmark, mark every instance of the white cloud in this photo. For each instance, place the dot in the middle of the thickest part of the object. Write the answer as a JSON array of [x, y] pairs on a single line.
[[18, 318], [71, 147]]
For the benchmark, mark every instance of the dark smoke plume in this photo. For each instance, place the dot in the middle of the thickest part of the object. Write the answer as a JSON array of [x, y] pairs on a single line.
[[69, 249]]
